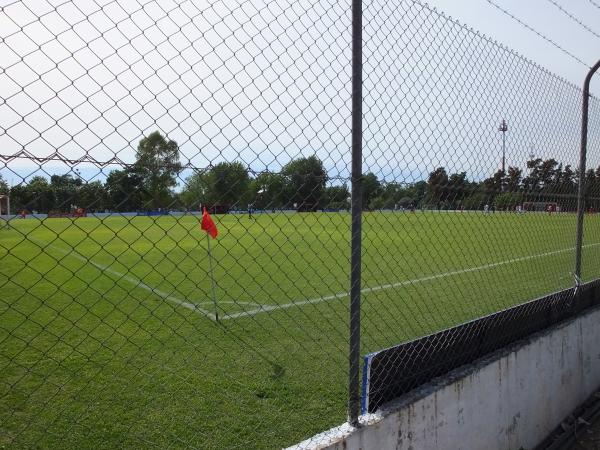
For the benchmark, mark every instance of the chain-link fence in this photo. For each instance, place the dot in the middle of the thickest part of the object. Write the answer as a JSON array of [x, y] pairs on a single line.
[[481, 147], [123, 324]]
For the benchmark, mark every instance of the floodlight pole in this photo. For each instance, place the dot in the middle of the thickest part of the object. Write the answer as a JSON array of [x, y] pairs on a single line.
[[356, 217], [582, 162], [503, 128]]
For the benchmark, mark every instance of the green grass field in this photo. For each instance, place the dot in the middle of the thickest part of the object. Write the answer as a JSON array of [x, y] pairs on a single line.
[[108, 337]]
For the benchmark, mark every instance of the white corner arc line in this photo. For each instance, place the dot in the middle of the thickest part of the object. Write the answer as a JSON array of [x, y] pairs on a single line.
[[130, 279], [327, 298]]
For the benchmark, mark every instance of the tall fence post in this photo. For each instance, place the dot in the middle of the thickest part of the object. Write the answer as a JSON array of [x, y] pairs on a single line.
[[355, 255], [582, 162]]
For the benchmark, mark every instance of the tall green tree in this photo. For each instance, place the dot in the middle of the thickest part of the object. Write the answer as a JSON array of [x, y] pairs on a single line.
[[542, 175], [531, 183], [592, 184], [494, 185], [195, 192], [123, 190], [568, 183], [371, 188], [508, 200], [268, 190], [229, 184], [226, 184], [547, 173], [437, 185], [40, 196], [305, 182], [417, 192], [19, 198], [65, 188], [592, 189], [390, 196], [457, 189], [513, 179], [337, 197], [157, 165], [92, 196], [4, 190]]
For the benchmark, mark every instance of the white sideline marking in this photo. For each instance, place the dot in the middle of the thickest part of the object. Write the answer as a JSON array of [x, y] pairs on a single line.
[[314, 301], [229, 302], [130, 279]]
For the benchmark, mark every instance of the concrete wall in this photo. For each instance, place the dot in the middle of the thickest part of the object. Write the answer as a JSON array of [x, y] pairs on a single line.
[[511, 399]]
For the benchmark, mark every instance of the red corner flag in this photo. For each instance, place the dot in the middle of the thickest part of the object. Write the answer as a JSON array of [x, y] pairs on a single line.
[[208, 225]]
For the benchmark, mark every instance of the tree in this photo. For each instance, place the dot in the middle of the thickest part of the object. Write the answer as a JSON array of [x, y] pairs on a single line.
[[268, 190], [65, 189], [389, 194], [371, 188], [19, 197], [494, 185], [547, 173], [531, 183], [92, 196], [395, 195], [457, 188], [337, 197], [229, 183], [476, 200], [305, 180], [39, 196], [542, 175], [3, 186], [417, 192], [436, 186], [123, 190], [508, 200], [224, 184], [568, 185], [195, 191], [158, 166], [592, 189], [513, 179]]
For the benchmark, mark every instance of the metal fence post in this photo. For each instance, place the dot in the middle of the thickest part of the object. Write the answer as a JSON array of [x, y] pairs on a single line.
[[355, 257], [582, 162]]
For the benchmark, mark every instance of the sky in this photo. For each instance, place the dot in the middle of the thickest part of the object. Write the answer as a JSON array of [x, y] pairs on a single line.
[[264, 81], [546, 18]]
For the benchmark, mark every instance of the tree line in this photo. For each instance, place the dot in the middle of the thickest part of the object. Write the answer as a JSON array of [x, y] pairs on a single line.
[[303, 184], [546, 181]]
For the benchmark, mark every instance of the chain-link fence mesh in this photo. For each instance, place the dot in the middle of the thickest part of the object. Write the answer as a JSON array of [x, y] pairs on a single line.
[[122, 324], [456, 230]]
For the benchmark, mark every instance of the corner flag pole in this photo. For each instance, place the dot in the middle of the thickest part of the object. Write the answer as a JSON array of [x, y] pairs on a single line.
[[209, 226], [212, 278]]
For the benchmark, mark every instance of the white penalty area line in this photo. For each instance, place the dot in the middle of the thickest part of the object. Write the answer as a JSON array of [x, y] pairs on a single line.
[[327, 298], [130, 279]]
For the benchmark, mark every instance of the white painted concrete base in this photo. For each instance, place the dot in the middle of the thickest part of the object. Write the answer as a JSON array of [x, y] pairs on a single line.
[[511, 399]]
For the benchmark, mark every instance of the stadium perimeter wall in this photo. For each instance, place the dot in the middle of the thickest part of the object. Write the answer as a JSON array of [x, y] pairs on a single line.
[[511, 399]]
